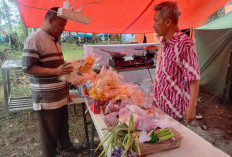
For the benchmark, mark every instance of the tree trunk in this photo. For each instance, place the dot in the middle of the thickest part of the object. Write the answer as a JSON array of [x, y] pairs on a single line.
[[6, 8], [25, 30]]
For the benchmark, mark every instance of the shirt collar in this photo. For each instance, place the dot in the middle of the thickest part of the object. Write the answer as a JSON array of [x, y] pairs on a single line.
[[173, 39], [47, 35]]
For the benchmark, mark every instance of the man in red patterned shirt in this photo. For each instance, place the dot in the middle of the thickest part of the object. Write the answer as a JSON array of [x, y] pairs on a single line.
[[177, 74]]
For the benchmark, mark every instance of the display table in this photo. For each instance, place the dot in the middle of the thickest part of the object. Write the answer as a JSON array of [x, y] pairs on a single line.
[[192, 144]]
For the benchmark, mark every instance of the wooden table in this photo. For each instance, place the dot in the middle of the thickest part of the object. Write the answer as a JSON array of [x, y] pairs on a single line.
[[192, 144]]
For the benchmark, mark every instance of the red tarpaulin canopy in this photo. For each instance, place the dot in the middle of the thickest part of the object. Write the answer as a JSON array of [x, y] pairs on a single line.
[[119, 16]]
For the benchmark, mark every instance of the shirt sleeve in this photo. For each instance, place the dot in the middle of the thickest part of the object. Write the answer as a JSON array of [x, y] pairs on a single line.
[[190, 63], [31, 55]]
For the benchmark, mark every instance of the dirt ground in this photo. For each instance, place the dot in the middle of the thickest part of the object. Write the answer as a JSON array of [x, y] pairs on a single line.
[[19, 136]]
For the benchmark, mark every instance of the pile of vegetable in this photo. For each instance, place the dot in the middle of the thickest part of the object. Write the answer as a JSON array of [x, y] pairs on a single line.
[[161, 135], [119, 137]]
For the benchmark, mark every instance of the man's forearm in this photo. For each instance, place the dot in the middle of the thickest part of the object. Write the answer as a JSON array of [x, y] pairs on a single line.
[[41, 71], [194, 88]]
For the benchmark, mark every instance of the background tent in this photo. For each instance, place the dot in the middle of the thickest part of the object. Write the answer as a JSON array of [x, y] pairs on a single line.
[[214, 43], [118, 16]]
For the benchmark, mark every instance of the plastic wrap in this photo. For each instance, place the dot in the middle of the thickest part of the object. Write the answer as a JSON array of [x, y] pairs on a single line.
[[86, 65], [110, 119], [124, 115], [84, 78], [112, 106], [134, 109], [144, 137], [145, 123], [136, 94], [107, 85], [70, 77]]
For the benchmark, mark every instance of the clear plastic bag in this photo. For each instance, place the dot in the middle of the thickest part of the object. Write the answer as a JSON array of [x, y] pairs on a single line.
[[149, 97], [75, 64], [112, 106]]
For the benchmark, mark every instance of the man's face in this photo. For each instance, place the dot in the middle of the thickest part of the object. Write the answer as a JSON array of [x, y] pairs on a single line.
[[160, 24], [57, 26]]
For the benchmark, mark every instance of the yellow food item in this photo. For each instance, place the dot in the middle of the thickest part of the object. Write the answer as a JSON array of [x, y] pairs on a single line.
[[97, 94], [86, 65]]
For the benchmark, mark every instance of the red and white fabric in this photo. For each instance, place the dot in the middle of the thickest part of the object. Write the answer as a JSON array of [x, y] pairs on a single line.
[[177, 65]]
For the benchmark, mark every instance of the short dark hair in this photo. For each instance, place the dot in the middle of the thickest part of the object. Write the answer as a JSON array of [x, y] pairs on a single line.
[[52, 12], [168, 9]]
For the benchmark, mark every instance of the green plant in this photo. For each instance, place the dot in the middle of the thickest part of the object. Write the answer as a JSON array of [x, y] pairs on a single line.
[[122, 135]]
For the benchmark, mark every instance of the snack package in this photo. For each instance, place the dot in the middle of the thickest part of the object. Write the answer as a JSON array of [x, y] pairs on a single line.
[[86, 65], [75, 64], [106, 86], [84, 78]]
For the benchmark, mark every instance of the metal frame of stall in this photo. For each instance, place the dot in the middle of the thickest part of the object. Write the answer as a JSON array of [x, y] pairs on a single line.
[[13, 103]]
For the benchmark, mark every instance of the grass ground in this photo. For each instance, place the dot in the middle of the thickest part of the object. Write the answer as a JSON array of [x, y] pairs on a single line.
[[71, 51]]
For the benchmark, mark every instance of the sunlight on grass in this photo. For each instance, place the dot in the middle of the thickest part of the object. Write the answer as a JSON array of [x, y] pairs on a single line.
[[71, 51]]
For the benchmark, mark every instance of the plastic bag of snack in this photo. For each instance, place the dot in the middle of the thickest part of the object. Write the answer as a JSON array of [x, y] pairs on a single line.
[[84, 78], [86, 65], [75, 64], [88, 62]]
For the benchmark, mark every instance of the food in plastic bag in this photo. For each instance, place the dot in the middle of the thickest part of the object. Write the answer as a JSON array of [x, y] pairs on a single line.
[[84, 78], [106, 86], [142, 121], [145, 123], [110, 119], [69, 78], [86, 65], [112, 106], [144, 137], [124, 115], [134, 109]]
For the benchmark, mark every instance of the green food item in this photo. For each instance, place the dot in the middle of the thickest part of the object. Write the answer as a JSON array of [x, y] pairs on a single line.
[[161, 135], [162, 131], [154, 138], [166, 137], [122, 135]]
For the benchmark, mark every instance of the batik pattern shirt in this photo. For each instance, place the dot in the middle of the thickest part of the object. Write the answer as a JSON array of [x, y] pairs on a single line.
[[177, 65], [48, 92]]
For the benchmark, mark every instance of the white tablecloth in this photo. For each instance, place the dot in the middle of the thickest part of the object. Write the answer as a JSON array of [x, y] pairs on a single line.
[[130, 76], [192, 144]]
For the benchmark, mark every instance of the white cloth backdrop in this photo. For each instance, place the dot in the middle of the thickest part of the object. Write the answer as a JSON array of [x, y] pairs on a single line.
[[130, 76]]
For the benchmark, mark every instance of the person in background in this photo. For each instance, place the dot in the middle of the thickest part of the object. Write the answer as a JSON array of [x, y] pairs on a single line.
[[177, 73], [43, 61]]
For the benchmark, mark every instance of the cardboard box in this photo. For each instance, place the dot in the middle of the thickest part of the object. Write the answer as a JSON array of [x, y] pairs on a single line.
[[152, 148]]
